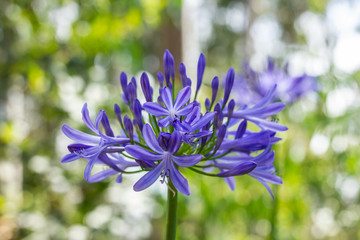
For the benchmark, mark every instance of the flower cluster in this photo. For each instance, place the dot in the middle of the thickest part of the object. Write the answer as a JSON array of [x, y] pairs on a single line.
[[176, 132], [252, 86]]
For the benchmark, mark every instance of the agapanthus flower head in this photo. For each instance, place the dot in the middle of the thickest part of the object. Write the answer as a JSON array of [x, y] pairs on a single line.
[[167, 135], [252, 86]]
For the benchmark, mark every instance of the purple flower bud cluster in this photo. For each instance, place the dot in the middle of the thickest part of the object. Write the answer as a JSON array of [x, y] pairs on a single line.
[[174, 132]]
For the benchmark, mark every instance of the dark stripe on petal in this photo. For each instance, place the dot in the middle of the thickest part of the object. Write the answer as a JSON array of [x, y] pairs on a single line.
[[155, 109], [241, 169], [87, 120], [149, 178], [187, 160], [150, 139], [185, 110], [164, 122], [182, 97], [70, 157], [203, 121], [174, 142], [179, 181], [97, 177], [200, 70], [80, 137], [167, 98], [142, 154]]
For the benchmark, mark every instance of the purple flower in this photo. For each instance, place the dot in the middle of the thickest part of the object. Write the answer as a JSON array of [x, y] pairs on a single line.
[[173, 112], [116, 165], [176, 134], [257, 114], [166, 161], [259, 167], [254, 85], [91, 146], [196, 122]]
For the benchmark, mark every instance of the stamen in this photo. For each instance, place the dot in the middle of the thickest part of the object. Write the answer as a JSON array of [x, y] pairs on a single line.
[[172, 190]]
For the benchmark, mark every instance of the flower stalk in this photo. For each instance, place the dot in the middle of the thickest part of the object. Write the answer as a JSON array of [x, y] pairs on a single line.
[[172, 196]]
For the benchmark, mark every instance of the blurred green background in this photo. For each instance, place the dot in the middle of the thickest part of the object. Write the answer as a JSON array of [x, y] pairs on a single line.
[[55, 55]]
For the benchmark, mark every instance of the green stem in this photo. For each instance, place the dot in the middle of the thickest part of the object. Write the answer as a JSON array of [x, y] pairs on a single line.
[[171, 212], [195, 95], [203, 173]]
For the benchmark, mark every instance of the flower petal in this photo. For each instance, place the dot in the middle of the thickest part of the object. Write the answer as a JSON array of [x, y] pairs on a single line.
[[78, 136], [201, 134], [149, 178], [229, 82], [179, 181], [107, 161], [187, 160], [182, 126], [164, 122], [266, 186], [142, 154], [185, 110], [155, 109], [87, 120], [267, 177], [230, 181], [214, 87], [70, 157], [269, 125], [98, 120], [106, 124], [268, 96], [200, 70], [241, 169], [241, 129], [89, 167], [151, 140], [182, 97], [97, 177], [253, 142], [203, 121], [174, 142], [194, 115], [167, 98], [119, 178]]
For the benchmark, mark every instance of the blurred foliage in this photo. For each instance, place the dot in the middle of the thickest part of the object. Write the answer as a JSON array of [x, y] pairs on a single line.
[[55, 55]]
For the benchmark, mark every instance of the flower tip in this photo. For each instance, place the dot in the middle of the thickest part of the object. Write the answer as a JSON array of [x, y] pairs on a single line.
[[202, 58], [182, 68], [117, 109], [69, 158], [137, 188], [232, 104], [123, 80], [143, 75], [168, 55], [231, 73], [64, 127], [84, 106], [187, 193], [123, 76]]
